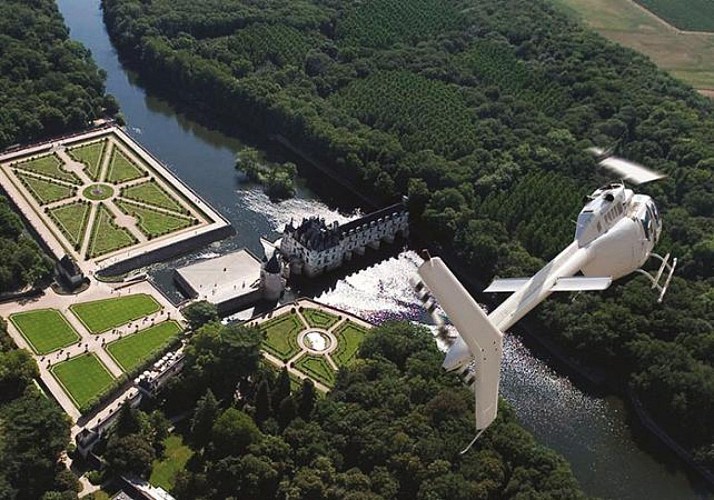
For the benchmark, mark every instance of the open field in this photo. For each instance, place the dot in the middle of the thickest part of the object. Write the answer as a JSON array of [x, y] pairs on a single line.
[[91, 155], [688, 56], [46, 330], [317, 318], [318, 368], [132, 351], [107, 236], [690, 15], [152, 222], [83, 378], [281, 335], [349, 337], [72, 220], [102, 315]]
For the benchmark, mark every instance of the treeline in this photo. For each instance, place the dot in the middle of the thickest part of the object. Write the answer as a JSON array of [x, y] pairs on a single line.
[[391, 428], [49, 86], [483, 120], [33, 432]]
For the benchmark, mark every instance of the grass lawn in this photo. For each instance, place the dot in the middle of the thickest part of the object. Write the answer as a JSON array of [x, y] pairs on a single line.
[[102, 315], [83, 378], [49, 165], [150, 193], [318, 318], [317, 368], [91, 155], [121, 169], [98, 192], [45, 191], [349, 337], [46, 330], [176, 455], [152, 222], [106, 235], [72, 220], [132, 351], [281, 335]]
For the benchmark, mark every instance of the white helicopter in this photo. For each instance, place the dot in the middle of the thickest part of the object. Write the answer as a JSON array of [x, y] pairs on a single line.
[[615, 234]]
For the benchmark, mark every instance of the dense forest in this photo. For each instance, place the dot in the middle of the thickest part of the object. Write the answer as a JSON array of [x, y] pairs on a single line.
[[48, 86], [481, 112], [33, 432], [392, 428]]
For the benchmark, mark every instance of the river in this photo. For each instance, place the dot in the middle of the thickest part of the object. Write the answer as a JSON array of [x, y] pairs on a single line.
[[591, 432]]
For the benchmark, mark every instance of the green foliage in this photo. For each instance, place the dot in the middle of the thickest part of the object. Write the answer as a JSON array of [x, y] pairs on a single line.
[[203, 418], [135, 350], [318, 318], [46, 330], [233, 432], [152, 222], [49, 165], [83, 378], [426, 114], [151, 193], [45, 191], [279, 179], [17, 371], [690, 15], [199, 313], [281, 335], [349, 337], [131, 454], [72, 219], [381, 23], [122, 169], [318, 368], [176, 456], [102, 315]]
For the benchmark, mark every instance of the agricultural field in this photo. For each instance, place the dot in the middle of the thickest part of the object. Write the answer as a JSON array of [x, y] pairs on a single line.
[[318, 318], [318, 368], [49, 166], [83, 378], [46, 330], [107, 236], [687, 56], [689, 15], [134, 350], [102, 315], [72, 219], [152, 194], [429, 114], [91, 156], [281, 335], [121, 169], [45, 190], [349, 337], [152, 222]]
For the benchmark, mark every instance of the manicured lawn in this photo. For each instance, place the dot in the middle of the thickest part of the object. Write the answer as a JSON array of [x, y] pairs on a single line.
[[106, 235], [281, 335], [72, 220], [132, 351], [83, 378], [176, 455], [45, 191], [121, 169], [98, 191], [349, 337], [102, 315], [91, 155], [150, 193], [49, 165], [152, 222], [317, 368], [46, 330], [317, 318]]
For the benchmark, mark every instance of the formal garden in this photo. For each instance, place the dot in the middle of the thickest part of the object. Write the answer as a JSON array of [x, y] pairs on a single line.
[[99, 316], [313, 341], [100, 196], [134, 350], [46, 330], [82, 378]]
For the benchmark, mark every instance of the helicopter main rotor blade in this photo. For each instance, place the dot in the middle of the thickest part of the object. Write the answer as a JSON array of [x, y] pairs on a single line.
[[633, 172]]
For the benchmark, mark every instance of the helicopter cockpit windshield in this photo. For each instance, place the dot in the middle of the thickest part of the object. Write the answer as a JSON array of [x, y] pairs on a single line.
[[582, 226]]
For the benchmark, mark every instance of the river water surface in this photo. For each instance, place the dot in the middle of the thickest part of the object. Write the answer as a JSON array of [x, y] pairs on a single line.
[[590, 432]]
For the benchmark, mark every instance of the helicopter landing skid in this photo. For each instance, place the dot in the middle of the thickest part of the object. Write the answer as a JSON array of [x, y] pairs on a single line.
[[655, 279]]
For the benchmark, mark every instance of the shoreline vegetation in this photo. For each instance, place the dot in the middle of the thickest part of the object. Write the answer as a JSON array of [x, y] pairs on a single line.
[[481, 114]]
